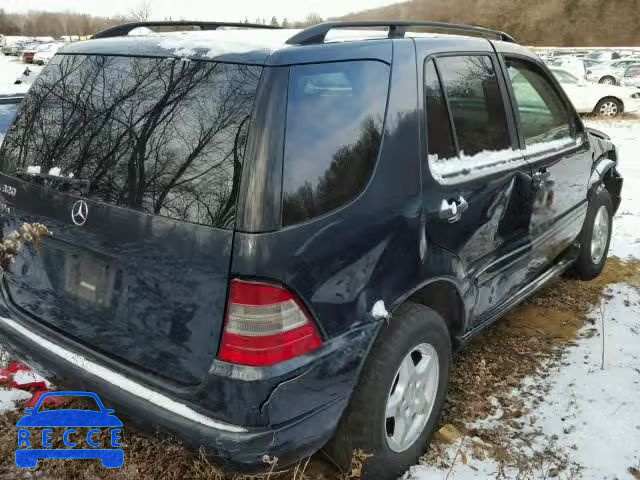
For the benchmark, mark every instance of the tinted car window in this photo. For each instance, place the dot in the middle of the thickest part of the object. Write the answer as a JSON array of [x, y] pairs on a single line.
[[632, 71], [335, 113], [7, 113], [543, 115], [475, 100], [439, 136], [161, 136], [565, 77]]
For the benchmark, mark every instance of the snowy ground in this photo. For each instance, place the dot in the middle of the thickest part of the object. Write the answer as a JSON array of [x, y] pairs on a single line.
[[589, 413], [12, 68]]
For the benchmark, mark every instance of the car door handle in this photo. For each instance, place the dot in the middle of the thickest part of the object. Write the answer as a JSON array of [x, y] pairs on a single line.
[[452, 210], [541, 177]]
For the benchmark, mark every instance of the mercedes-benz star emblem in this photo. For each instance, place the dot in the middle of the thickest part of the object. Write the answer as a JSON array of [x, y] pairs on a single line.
[[79, 212]]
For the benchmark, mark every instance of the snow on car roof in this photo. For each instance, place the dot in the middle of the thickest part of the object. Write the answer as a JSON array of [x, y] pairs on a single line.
[[225, 44]]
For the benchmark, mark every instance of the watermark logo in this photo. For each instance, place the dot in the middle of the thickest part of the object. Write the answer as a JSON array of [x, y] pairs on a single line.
[[36, 434]]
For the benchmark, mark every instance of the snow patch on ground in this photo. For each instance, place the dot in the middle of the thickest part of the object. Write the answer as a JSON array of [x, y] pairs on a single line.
[[12, 68], [589, 411], [8, 398], [625, 241]]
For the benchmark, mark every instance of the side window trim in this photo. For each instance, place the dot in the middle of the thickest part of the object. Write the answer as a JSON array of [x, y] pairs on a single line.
[[452, 125], [512, 105], [576, 124]]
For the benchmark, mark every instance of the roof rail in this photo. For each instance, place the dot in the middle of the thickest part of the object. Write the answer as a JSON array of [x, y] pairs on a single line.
[[124, 29], [397, 29]]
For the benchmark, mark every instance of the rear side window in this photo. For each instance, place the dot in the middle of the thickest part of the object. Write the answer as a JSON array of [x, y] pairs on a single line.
[[335, 114], [475, 100], [156, 135], [543, 115]]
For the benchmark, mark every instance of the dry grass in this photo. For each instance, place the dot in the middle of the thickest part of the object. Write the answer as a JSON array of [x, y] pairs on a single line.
[[527, 341]]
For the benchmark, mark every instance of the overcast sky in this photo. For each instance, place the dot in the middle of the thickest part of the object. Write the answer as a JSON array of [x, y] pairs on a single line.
[[229, 10]]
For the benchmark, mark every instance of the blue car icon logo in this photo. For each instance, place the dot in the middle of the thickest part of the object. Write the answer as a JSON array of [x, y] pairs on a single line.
[[39, 445]]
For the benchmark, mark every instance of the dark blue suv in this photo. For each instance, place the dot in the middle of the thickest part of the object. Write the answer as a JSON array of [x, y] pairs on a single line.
[[270, 242]]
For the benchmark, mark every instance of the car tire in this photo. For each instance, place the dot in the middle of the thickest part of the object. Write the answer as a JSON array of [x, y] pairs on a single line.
[[595, 237], [415, 332], [609, 107], [608, 80]]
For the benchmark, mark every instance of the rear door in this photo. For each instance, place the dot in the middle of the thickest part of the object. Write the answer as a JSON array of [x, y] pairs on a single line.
[[133, 164], [557, 148], [477, 186]]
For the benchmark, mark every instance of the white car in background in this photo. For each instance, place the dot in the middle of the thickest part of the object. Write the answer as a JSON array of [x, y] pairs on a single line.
[[44, 55], [631, 76], [600, 99], [572, 64], [610, 73]]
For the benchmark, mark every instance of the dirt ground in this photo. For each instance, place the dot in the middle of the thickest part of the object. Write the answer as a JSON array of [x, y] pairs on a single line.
[[528, 341]]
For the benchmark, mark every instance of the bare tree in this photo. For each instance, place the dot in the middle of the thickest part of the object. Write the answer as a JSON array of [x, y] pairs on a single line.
[[142, 12], [312, 19]]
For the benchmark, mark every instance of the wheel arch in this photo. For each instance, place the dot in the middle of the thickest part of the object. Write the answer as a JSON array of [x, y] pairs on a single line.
[[445, 297], [609, 97], [615, 82], [604, 174]]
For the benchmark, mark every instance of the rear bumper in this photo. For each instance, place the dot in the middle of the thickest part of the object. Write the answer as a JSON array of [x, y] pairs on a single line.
[[232, 446]]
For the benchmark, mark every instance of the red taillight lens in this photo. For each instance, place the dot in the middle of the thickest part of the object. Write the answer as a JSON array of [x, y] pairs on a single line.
[[265, 325]]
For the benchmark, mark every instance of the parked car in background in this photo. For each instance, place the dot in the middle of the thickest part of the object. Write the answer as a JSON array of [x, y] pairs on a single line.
[[610, 73], [276, 245], [631, 76], [9, 104], [46, 53], [599, 99], [602, 55], [11, 50], [576, 66], [28, 54], [588, 63]]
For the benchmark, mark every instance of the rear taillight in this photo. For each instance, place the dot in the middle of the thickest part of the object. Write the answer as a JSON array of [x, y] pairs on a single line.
[[265, 325]]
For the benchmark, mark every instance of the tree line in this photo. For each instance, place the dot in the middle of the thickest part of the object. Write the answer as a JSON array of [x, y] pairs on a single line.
[[39, 23], [543, 22], [57, 24]]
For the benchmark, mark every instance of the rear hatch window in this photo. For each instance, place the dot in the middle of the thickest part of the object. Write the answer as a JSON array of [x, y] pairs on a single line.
[[134, 165], [156, 135]]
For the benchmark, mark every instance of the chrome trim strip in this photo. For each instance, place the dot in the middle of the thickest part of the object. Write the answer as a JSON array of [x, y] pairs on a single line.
[[120, 381]]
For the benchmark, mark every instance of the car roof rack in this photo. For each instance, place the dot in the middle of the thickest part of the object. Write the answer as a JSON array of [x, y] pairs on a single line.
[[397, 29], [124, 29]]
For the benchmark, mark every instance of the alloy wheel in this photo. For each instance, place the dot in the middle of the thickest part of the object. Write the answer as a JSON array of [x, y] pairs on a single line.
[[608, 108], [600, 235], [411, 397]]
